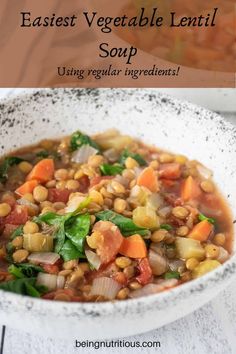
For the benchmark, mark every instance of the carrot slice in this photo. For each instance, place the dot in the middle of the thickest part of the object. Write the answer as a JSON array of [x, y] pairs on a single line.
[[27, 187], [43, 171], [134, 247], [148, 179], [201, 231], [190, 189]]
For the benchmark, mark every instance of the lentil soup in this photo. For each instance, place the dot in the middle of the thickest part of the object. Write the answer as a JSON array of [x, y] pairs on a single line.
[[107, 217]]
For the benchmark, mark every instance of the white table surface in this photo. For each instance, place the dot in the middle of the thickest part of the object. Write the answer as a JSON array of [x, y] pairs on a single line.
[[189, 335]]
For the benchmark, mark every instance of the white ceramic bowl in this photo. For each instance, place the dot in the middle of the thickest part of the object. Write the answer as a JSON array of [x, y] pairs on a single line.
[[168, 123]]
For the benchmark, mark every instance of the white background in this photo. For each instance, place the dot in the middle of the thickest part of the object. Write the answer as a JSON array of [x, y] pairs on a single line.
[[209, 330]]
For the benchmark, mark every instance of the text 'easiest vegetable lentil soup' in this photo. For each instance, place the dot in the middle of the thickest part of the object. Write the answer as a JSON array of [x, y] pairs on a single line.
[[107, 217]]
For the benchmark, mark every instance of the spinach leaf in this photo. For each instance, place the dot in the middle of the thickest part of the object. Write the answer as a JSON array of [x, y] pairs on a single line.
[[58, 221], [126, 153], [72, 226], [23, 286], [202, 217], [111, 170], [172, 275], [78, 139], [24, 270], [166, 227], [17, 232], [126, 225], [45, 154], [7, 163], [76, 229], [69, 251]]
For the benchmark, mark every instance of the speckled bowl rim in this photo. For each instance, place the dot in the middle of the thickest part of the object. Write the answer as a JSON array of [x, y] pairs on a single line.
[[161, 300]]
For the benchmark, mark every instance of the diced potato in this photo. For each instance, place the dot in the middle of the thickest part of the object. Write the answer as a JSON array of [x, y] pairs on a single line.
[[118, 142], [189, 248], [205, 267], [38, 242], [146, 217]]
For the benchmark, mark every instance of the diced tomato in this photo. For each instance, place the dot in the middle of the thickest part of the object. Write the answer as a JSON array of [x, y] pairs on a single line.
[[173, 200], [8, 229], [18, 216], [168, 183], [58, 195], [83, 184], [111, 242], [51, 268], [145, 271], [170, 170], [105, 270], [96, 180]]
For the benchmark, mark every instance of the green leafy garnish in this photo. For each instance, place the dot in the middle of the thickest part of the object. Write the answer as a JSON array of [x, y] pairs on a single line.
[[7, 163], [77, 228], [17, 232], [45, 154], [23, 286], [126, 225], [126, 153], [202, 217], [73, 227], [167, 227], [79, 139], [111, 170], [69, 251], [172, 275], [24, 270]]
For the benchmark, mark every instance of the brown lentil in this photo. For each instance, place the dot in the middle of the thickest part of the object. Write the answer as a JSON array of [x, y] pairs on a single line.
[[20, 256], [207, 186], [219, 239], [25, 167], [134, 285], [180, 212], [192, 263], [159, 235], [182, 231], [123, 294], [17, 242], [30, 228], [123, 262], [5, 209], [120, 205], [212, 251], [40, 194]]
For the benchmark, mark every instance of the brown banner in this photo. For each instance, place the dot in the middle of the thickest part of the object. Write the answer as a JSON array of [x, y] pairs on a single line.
[[117, 43]]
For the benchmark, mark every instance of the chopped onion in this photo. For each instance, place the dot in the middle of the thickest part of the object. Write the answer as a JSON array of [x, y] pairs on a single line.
[[44, 257], [151, 289], [74, 203], [105, 287], [155, 201], [223, 255], [122, 180], [148, 289], [176, 264], [23, 201], [82, 154], [164, 212], [204, 172], [111, 154], [93, 259], [51, 281], [137, 171], [158, 263]]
